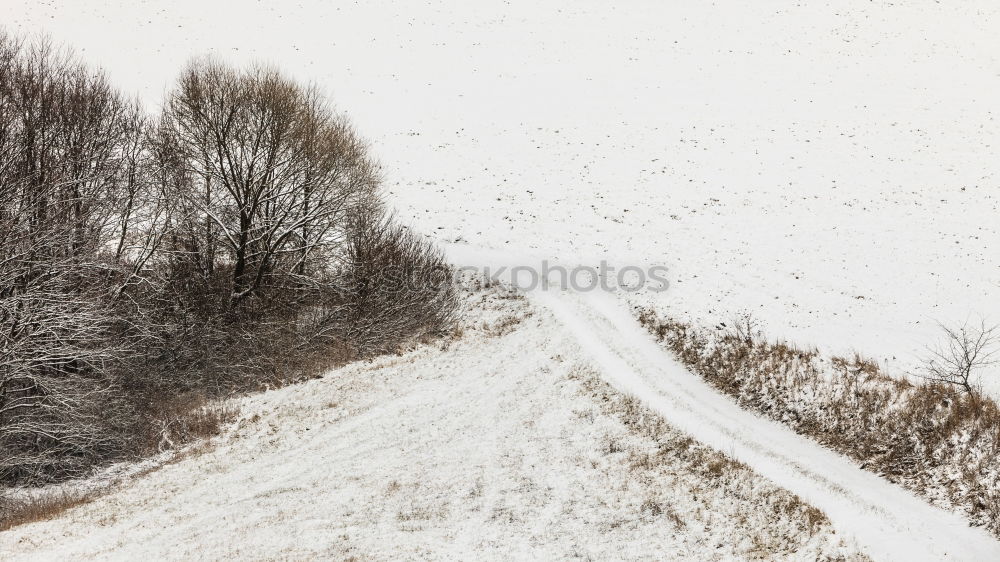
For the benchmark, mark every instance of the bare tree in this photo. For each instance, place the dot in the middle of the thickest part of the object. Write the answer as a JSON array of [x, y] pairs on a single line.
[[966, 350], [268, 174], [70, 141]]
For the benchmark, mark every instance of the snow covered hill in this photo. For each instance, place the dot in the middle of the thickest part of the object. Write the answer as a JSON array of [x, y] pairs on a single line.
[[524, 451], [447, 452]]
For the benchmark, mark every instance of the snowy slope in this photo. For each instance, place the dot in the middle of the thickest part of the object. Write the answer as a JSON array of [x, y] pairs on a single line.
[[831, 166], [523, 452], [446, 453], [889, 521]]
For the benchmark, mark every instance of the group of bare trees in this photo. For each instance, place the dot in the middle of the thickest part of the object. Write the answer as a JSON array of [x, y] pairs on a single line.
[[266, 176], [232, 241], [67, 159]]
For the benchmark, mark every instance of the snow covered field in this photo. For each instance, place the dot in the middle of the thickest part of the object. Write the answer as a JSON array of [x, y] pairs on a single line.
[[829, 166]]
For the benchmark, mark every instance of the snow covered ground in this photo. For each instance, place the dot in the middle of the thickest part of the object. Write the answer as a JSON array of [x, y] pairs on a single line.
[[525, 452], [829, 166], [447, 452], [890, 522]]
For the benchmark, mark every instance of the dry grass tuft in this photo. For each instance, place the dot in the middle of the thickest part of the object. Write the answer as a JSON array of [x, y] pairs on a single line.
[[185, 419], [40, 507]]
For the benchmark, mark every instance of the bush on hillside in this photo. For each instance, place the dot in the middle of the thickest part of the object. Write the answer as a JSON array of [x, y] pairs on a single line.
[[234, 242]]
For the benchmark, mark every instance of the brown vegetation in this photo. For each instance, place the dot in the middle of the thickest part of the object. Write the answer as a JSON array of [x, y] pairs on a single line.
[[30, 509]]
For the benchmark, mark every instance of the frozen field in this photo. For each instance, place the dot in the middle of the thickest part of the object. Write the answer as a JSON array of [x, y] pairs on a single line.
[[831, 168]]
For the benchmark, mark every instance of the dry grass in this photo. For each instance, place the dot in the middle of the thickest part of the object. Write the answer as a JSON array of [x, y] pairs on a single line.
[[185, 419], [719, 469], [39, 507], [930, 437]]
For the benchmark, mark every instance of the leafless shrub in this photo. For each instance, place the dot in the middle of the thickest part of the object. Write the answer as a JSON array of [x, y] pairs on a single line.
[[395, 288], [966, 350], [67, 142], [745, 327]]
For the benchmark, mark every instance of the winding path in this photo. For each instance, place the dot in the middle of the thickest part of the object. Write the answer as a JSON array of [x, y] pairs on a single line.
[[889, 522]]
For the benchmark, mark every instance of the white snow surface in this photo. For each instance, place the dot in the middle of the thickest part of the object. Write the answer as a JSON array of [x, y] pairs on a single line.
[[829, 166]]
